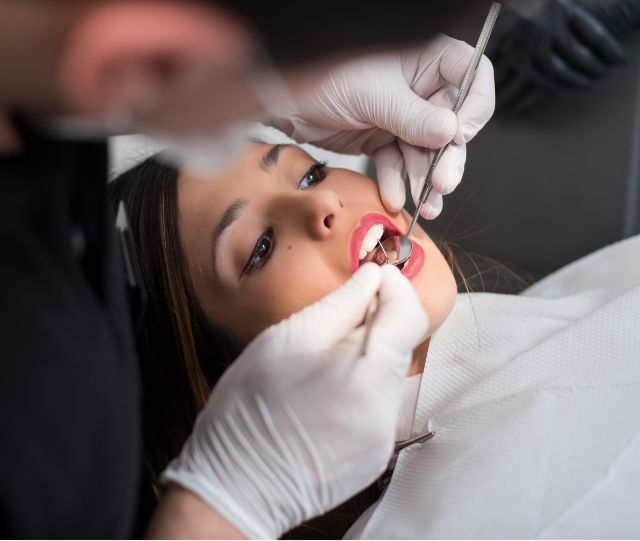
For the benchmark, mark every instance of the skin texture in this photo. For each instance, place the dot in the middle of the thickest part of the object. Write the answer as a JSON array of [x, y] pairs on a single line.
[[183, 515], [312, 230]]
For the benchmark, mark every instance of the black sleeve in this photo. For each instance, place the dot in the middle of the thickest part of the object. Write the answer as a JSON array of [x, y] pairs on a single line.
[[69, 421]]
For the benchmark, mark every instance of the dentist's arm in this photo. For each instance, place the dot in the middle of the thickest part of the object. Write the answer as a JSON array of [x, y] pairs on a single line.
[[300, 422]]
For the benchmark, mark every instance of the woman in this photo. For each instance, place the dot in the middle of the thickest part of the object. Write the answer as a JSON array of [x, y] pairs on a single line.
[[227, 256]]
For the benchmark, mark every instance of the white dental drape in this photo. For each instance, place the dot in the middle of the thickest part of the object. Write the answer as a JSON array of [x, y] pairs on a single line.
[[535, 401]]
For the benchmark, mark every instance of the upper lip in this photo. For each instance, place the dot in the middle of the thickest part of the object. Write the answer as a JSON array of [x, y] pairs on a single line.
[[366, 222]]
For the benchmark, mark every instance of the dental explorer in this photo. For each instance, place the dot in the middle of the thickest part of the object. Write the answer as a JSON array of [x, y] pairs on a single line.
[[405, 246]]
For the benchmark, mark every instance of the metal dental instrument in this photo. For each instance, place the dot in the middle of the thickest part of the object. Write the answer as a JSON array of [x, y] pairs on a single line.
[[368, 321], [400, 445], [385, 478], [405, 246], [371, 310], [386, 257]]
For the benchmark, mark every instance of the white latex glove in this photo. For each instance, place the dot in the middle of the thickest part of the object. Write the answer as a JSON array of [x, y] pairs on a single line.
[[300, 422], [394, 108]]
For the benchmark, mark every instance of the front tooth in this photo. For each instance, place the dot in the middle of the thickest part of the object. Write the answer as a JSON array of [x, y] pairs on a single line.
[[376, 231], [371, 239], [369, 242]]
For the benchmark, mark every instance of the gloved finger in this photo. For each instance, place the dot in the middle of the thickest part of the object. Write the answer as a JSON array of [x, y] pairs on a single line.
[[529, 100], [554, 66], [596, 35], [543, 62], [575, 52], [620, 16], [447, 174], [581, 57], [323, 324], [432, 206], [416, 162], [390, 167], [523, 94], [479, 105], [400, 323], [421, 123], [347, 349]]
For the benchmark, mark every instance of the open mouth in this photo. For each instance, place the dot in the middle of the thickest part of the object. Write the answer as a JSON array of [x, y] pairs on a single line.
[[380, 245], [375, 239]]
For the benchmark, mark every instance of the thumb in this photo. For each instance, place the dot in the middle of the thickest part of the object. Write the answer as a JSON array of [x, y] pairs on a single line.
[[323, 324], [400, 323]]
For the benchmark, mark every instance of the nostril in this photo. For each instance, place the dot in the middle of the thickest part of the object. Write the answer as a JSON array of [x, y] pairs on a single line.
[[328, 221]]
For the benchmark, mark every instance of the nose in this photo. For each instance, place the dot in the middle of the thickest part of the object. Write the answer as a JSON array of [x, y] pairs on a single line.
[[317, 210]]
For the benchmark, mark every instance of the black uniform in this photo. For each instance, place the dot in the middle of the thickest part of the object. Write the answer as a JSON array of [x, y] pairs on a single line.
[[70, 434]]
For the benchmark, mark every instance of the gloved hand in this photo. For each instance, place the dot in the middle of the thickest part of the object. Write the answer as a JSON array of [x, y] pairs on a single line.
[[619, 16], [395, 108], [300, 422], [549, 46]]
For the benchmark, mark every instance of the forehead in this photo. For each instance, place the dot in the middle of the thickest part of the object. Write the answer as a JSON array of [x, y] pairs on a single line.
[[221, 187]]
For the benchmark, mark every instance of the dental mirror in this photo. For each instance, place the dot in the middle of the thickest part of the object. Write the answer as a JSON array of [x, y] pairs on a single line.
[[403, 243]]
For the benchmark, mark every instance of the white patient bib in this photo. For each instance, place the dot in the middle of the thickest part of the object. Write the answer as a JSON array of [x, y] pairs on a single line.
[[535, 403]]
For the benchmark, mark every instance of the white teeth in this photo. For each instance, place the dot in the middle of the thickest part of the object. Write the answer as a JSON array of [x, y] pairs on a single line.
[[369, 243], [370, 240]]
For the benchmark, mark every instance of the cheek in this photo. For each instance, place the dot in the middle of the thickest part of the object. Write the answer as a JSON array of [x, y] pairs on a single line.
[[295, 280], [435, 285]]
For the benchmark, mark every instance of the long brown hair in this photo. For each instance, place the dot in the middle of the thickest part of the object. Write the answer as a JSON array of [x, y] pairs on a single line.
[[181, 354]]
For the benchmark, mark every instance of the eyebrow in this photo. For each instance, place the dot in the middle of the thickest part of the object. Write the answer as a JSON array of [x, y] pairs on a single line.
[[270, 157], [230, 215]]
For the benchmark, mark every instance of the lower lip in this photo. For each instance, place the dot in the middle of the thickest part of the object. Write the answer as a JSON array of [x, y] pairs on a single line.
[[415, 262]]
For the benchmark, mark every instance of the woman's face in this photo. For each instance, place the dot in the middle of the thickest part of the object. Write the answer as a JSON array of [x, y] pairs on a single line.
[[277, 231]]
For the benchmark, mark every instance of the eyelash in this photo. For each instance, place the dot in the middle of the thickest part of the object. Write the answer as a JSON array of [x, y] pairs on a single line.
[[314, 176], [316, 168], [254, 262]]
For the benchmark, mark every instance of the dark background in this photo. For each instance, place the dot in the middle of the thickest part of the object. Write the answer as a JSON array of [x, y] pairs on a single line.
[[544, 188]]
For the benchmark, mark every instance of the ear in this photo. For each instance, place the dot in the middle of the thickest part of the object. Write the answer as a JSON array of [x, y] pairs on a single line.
[[126, 53]]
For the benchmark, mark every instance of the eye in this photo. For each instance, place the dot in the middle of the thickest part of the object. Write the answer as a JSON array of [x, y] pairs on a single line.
[[314, 175], [260, 253]]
